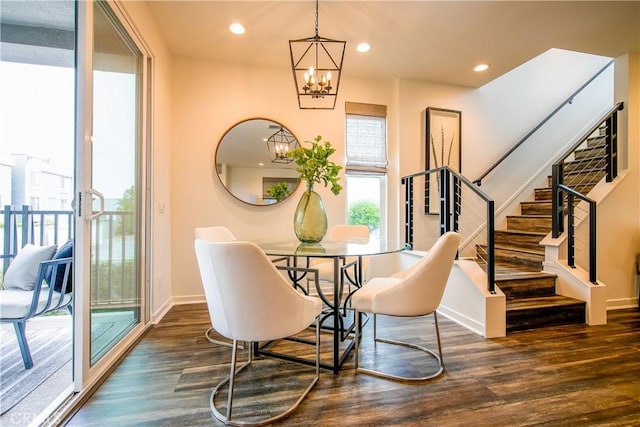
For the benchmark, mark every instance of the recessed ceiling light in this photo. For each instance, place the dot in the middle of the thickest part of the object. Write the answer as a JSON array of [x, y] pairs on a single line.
[[236, 28], [481, 67], [363, 47], [260, 164]]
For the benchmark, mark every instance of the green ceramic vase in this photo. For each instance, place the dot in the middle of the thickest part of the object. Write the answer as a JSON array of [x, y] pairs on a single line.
[[310, 219]]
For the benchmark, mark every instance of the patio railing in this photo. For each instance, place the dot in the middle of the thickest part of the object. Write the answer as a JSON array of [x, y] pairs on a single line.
[[113, 251]]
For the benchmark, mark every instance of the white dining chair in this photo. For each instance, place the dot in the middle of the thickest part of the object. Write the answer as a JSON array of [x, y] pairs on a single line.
[[216, 233], [415, 291], [250, 301]]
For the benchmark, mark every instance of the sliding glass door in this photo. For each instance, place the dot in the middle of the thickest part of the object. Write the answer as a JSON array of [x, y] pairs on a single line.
[[112, 129], [115, 164]]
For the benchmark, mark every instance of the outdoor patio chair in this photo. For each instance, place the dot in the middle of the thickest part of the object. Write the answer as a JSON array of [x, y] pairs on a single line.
[[35, 284]]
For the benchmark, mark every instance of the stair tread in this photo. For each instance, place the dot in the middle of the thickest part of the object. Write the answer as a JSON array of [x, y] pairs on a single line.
[[516, 274], [578, 172], [512, 248], [504, 270], [542, 302], [524, 233], [537, 202], [529, 216], [520, 249]]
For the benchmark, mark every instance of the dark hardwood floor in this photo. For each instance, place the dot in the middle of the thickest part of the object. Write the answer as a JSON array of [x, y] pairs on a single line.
[[573, 375]]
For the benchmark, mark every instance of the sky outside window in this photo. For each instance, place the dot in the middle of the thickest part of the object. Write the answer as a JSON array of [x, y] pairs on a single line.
[[37, 112]]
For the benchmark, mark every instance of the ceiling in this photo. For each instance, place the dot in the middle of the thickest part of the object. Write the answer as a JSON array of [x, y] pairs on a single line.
[[438, 41]]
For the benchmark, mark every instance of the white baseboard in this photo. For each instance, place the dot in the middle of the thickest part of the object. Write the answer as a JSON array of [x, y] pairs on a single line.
[[462, 320], [161, 312], [622, 303]]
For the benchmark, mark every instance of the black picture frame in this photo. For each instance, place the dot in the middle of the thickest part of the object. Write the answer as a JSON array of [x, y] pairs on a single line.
[[443, 147]]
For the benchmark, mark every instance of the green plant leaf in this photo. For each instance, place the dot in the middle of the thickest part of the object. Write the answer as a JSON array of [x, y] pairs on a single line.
[[314, 166]]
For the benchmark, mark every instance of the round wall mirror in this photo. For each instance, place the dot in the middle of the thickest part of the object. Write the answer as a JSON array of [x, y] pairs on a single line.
[[252, 162]]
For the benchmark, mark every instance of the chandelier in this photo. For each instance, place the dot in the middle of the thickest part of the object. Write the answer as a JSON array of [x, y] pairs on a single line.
[[317, 65], [279, 144]]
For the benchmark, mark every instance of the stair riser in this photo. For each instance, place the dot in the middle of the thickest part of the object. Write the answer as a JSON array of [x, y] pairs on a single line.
[[596, 142], [529, 208], [519, 320], [521, 240], [525, 288], [514, 259], [590, 153], [539, 224], [596, 163], [542, 194], [571, 180]]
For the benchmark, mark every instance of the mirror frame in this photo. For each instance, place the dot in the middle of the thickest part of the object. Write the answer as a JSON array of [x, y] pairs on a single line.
[[217, 164]]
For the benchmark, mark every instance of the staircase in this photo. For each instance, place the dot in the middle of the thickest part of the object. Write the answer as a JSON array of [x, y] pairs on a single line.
[[531, 297]]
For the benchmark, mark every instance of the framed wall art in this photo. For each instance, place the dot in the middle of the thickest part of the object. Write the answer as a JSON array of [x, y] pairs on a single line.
[[443, 147]]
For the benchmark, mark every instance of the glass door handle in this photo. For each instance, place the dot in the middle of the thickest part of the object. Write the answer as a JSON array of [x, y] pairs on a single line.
[[93, 215]]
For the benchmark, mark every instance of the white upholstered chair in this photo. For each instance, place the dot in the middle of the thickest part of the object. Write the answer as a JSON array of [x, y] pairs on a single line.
[[249, 300], [415, 291], [214, 234]]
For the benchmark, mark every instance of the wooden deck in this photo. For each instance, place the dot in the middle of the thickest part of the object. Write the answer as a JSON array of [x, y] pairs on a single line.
[[559, 376]]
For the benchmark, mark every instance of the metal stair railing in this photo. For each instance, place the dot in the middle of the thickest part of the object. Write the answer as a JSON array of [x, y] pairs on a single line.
[[574, 175], [462, 207]]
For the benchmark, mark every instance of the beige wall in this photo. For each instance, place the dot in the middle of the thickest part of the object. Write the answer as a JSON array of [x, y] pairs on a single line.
[[634, 127], [208, 98], [618, 213]]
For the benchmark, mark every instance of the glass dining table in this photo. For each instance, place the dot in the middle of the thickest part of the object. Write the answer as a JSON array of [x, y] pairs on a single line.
[[346, 256]]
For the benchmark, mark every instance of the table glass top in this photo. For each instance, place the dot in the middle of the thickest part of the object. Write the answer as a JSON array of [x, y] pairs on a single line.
[[331, 248]]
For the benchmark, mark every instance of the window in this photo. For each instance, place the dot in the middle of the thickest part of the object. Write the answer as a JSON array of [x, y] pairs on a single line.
[[366, 169]]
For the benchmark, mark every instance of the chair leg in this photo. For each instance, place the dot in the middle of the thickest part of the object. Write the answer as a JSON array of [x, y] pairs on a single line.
[[435, 318], [438, 357], [214, 341], [21, 336], [231, 378], [357, 337]]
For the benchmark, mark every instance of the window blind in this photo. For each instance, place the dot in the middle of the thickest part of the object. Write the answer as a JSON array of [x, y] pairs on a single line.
[[366, 139]]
